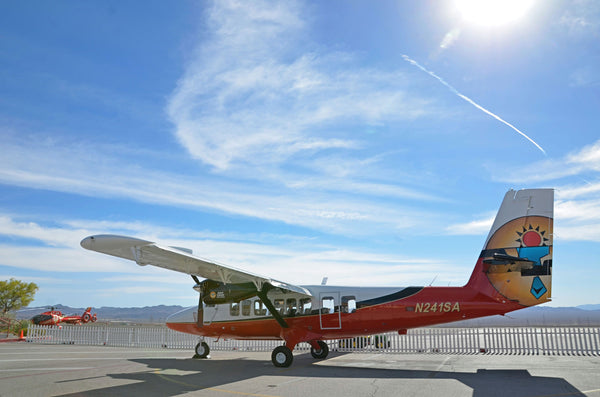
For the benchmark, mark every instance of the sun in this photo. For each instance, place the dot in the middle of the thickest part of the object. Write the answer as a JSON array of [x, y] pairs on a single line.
[[493, 12]]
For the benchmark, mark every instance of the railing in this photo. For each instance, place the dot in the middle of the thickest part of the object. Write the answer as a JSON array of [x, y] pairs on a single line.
[[535, 341]]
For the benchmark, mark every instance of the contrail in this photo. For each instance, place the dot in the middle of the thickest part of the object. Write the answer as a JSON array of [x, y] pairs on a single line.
[[455, 91]]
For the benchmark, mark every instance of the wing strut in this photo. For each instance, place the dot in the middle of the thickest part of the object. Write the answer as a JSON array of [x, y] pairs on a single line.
[[262, 294], [200, 319]]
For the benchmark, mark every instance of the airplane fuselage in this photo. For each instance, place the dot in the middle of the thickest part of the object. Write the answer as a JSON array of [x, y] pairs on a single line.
[[341, 312]]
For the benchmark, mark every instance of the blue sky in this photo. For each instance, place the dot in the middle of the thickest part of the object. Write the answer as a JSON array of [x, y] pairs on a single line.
[[367, 142]]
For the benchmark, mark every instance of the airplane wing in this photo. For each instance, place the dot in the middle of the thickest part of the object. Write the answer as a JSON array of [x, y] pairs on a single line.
[[180, 260]]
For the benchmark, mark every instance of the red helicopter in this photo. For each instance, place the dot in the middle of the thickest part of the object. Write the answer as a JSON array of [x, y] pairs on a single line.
[[54, 317]]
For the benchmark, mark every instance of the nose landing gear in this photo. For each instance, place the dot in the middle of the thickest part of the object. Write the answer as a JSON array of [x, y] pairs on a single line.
[[202, 350]]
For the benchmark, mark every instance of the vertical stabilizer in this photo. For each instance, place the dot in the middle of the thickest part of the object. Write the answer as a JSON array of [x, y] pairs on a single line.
[[517, 256]]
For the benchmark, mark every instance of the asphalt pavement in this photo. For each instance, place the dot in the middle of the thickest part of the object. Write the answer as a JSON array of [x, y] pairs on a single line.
[[28, 369]]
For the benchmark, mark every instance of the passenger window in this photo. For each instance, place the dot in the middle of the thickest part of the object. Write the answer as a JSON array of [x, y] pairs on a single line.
[[246, 307], [348, 304], [327, 304], [290, 307], [234, 309], [279, 305], [305, 306], [259, 308]]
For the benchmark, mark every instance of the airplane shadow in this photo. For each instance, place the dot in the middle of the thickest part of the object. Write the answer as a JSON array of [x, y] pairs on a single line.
[[170, 377]]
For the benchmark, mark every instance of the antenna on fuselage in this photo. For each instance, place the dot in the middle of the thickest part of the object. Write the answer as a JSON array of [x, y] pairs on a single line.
[[324, 281], [432, 281]]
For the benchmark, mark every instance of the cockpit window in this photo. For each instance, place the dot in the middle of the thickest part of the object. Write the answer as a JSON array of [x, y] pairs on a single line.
[[305, 306], [290, 307]]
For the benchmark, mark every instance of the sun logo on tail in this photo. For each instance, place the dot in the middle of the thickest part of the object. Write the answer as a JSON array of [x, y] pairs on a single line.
[[532, 237], [533, 245]]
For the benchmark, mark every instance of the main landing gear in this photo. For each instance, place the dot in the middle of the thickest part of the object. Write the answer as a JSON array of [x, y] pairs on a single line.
[[282, 355], [320, 353]]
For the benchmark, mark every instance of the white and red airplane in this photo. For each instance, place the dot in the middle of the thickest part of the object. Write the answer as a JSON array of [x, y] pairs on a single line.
[[513, 271]]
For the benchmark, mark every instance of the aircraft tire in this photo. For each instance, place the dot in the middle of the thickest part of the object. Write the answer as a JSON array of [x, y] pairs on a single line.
[[202, 350], [86, 317], [282, 357], [322, 352]]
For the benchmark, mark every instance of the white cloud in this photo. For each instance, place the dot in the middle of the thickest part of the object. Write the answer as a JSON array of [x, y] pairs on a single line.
[[247, 97], [55, 259], [578, 219], [477, 227], [578, 210], [53, 236], [85, 169], [300, 263], [580, 162], [581, 18], [580, 191], [586, 159]]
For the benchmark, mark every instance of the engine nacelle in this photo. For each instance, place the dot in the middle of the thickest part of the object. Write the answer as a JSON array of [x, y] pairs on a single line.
[[215, 292]]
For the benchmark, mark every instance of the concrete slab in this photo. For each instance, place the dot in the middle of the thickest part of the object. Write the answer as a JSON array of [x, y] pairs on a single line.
[[47, 370]]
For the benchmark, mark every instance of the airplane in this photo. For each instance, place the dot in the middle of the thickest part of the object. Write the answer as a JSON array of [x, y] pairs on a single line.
[[55, 317], [513, 271]]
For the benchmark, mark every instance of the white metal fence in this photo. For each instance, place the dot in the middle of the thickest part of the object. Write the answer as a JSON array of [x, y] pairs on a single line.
[[535, 341]]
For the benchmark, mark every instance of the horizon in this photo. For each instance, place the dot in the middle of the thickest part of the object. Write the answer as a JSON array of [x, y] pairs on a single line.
[[368, 143]]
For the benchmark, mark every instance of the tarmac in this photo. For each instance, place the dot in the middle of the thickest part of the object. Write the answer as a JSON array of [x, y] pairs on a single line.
[[28, 369]]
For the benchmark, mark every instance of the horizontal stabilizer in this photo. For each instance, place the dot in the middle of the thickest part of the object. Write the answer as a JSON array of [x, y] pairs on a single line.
[[503, 259]]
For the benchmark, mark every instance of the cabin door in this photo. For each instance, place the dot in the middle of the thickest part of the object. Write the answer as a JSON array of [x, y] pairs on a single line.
[[329, 313]]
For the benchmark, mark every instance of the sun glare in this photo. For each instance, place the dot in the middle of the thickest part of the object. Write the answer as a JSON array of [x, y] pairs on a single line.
[[493, 12]]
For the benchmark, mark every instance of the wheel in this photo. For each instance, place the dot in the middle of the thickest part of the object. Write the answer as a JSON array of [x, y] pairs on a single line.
[[86, 317], [322, 352], [202, 350], [282, 357], [94, 318]]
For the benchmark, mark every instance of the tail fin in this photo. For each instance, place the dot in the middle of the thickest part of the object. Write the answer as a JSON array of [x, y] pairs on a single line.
[[516, 259], [86, 316]]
